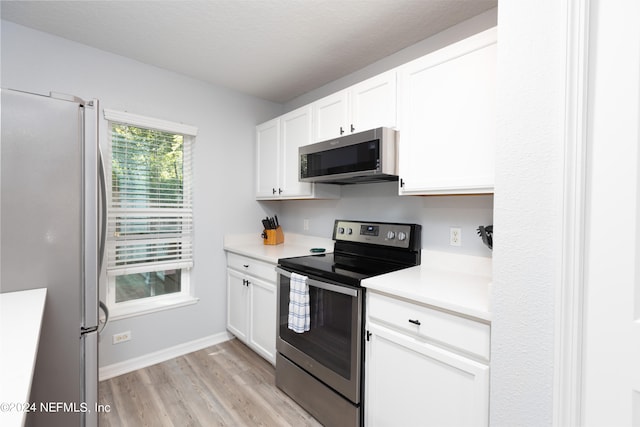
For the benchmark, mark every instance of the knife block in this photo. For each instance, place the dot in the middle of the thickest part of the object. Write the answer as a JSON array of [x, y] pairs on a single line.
[[274, 237]]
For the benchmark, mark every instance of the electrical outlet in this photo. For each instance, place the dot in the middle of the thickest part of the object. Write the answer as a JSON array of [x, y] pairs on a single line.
[[455, 236], [121, 337], [305, 225]]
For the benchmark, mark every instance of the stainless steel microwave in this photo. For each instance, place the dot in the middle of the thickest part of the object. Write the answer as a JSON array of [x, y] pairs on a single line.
[[360, 157]]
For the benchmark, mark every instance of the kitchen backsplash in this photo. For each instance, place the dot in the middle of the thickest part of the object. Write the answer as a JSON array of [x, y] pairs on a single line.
[[380, 202]]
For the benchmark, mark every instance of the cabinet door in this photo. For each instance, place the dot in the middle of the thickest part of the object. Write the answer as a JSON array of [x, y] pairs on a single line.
[[263, 318], [331, 116], [237, 303], [448, 127], [267, 159], [373, 103], [295, 132], [411, 383]]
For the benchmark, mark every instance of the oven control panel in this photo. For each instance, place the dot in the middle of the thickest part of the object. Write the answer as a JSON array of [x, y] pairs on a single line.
[[377, 233]]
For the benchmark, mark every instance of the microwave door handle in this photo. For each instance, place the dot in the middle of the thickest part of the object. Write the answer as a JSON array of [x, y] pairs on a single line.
[[323, 285]]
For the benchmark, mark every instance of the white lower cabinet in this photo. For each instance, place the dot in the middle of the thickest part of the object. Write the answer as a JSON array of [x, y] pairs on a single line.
[[262, 318], [237, 305], [251, 304], [413, 378]]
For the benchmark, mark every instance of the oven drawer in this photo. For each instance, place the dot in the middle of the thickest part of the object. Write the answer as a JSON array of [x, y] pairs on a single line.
[[252, 266], [455, 332]]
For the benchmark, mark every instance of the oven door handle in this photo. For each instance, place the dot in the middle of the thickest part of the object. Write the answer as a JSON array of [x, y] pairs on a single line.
[[323, 285]]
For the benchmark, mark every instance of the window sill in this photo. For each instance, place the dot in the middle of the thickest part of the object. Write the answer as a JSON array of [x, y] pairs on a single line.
[[148, 306]]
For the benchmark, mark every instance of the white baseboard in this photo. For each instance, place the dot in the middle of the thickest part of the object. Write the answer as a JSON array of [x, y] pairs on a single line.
[[136, 363]]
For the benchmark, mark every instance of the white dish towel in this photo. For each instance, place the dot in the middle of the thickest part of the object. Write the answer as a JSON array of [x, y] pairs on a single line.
[[299, 316]]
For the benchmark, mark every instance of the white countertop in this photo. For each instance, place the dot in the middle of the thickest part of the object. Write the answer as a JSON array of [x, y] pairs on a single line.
[[20, 323], [252, 245], [458, 283]]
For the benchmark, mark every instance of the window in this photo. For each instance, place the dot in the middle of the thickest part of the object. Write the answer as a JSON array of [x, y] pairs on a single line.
[[150, 215]]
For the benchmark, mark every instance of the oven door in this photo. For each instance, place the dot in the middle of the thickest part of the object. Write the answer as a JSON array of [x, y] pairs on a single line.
[[332, 348]]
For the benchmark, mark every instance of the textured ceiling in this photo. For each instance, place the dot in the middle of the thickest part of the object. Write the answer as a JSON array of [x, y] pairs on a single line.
[[272, 49]]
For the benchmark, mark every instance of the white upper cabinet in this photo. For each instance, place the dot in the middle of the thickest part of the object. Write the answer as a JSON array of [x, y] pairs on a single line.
[[331, 114], [277, 143], [295, 131], [268, 158], [373, 103], [448, 119], [443, 104], [366, 105]]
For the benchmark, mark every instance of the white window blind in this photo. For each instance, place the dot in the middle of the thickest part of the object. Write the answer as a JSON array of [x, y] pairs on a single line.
[[150, 216]]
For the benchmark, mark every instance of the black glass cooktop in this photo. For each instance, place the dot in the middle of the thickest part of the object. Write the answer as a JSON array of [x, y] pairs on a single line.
[[361, 250], [341, 268]]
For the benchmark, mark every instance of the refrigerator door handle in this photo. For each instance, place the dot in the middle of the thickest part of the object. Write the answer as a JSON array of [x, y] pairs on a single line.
[[89, 290], [103, 210], [104, 308], [103, 228]]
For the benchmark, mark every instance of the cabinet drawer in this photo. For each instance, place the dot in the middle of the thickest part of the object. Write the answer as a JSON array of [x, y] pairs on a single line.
[[456, 332], [252, 266]]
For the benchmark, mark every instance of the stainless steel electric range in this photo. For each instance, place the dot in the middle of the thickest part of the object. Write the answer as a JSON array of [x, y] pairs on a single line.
[[320, 360]]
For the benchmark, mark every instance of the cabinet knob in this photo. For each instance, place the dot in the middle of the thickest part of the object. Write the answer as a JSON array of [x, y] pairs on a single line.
[[279, 190], [352, 128], [273, 190], [415, 322], [341, 130], [245, 265]]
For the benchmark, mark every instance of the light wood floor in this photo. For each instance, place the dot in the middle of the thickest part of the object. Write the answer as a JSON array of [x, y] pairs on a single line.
[[224, 385]]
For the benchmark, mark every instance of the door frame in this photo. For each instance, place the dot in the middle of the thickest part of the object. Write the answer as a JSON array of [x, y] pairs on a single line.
[[593, 27], [570, 294]]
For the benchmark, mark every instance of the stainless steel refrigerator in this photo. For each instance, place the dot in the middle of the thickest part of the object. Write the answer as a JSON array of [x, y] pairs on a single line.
[[50, 238]]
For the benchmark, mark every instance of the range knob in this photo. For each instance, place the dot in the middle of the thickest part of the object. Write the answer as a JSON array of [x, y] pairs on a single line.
[[349, 231], [402, 236], [340, 230], [391, 235]]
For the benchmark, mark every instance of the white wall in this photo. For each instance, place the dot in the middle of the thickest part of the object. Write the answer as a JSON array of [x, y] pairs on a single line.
[[528, 210], [223, 189]]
